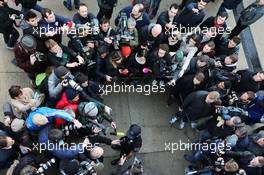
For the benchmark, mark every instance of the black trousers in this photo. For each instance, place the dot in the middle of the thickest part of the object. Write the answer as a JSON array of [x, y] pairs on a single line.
[[107, 13], [10, 36], [238, 29]]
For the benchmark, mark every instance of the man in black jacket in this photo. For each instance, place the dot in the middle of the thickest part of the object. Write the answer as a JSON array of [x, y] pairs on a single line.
[[167, 19], [197, 105], [106, 8], [7, 19], [84, 16], [193, 14], [151, 36], [250, 81]]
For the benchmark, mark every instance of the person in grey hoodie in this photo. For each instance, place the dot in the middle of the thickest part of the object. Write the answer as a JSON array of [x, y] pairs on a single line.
[[248, 16]]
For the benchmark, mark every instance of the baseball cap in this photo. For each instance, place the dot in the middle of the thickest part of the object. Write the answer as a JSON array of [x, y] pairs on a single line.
[[134, 131]]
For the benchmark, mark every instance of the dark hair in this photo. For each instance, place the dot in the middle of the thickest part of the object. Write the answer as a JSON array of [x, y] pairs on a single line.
[[102, 49], [251, 95], [211, 44], [236, 39], [82, 4], [234, 58], [14, 91], [81, 78], [45, 11], [227, 84], [55, 135], [223, 14], [104, 21], [203, 58], [175, 6], [196, 37], [142, 53], [200, 76], [206, 1], [164, 47], [29, 15], [3, 142]]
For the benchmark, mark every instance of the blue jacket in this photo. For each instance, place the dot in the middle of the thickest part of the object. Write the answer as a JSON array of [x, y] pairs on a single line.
[[255, 111], [50, 114], [70, 152], [141, 22]]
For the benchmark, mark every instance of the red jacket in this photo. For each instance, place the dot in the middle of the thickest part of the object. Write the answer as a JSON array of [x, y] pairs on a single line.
[[64, 103]]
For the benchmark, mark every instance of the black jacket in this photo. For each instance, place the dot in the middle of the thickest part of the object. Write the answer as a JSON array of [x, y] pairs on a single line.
[[246, 83], [164, 19], [29, 4], [78, 19], [5, 21], [194, 105], [146, 37], [107, 4]]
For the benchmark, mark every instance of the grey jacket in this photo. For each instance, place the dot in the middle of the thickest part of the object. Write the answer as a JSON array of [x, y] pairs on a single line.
[[251, 14], [54, 85]]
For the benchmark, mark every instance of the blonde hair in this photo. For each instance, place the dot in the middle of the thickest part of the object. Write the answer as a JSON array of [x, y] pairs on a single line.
[[231, 166], [50, 43], [214, 95]]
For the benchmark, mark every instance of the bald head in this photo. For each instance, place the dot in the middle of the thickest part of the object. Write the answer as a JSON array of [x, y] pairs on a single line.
[[96, 152], [156, 30]]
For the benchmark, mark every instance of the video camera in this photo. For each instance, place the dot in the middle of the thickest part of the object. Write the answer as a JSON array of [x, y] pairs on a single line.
[[72, 83], [44, 167], [233, 96]]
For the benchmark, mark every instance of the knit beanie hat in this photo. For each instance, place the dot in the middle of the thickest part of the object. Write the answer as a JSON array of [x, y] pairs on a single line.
[[91, 109], [61, 71]]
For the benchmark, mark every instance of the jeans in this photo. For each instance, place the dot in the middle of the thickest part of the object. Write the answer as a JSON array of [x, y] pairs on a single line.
[[76, 3], [195, 157], [36, 7], [10, 37]]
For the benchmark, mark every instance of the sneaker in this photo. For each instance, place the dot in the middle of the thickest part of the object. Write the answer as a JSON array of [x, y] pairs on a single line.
[[65, 5], [173, 120], [182, 124], [193, 125]]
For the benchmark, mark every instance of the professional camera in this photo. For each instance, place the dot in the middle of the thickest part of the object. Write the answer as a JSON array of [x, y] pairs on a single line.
[[40, 56], [233, 96], [228, 112], [86, 168], [219, 163], [44, 167], [72, 83], [124, 35]]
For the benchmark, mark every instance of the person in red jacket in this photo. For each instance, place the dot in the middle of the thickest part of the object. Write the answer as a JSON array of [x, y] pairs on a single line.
[[69, 102]]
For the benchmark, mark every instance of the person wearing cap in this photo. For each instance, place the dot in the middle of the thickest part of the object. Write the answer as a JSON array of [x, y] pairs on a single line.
[[128, 145], [95, 111], [56, 83], [43, 116], [25, 57], [7, 20]]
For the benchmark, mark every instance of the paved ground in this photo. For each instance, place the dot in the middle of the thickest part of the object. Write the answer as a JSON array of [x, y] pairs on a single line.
[[148, 111]]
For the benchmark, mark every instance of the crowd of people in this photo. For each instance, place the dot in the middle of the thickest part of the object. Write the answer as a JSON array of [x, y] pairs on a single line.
[[193, 57]]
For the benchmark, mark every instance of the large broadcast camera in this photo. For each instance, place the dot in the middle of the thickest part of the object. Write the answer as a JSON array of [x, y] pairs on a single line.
[[86, 168], [124, 36], [72, 83]]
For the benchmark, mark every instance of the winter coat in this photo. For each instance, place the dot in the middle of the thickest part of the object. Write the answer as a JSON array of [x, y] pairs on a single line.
[[107, 4], [50, 113], [54, 85], [5, 21], [251, 14], [246, 82]]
